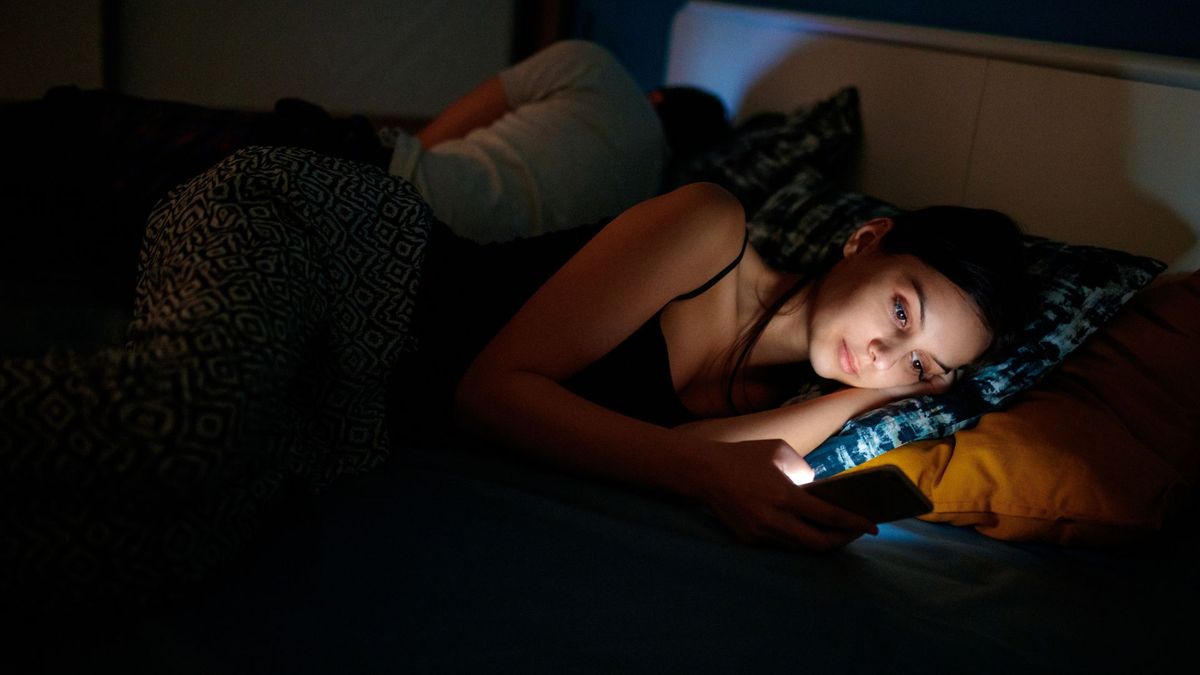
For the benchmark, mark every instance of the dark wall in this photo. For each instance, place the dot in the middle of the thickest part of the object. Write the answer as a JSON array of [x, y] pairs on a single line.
[[637, 30]]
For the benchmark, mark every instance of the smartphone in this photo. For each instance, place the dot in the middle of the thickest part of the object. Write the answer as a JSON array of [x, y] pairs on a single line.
[[879, 494]]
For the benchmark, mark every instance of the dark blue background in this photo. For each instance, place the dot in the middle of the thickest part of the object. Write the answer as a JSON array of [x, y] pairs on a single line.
[[637, 30]]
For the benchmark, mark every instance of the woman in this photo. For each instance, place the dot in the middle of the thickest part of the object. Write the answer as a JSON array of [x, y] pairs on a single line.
[[882, 320], [277, 291]]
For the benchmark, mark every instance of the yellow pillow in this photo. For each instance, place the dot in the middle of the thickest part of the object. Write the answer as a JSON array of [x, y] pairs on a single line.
[[1103, 451]]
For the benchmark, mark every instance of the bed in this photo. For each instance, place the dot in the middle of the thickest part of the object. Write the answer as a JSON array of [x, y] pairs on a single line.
[[465, 560]]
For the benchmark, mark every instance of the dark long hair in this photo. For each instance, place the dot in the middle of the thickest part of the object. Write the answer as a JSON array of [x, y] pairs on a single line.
[[978, 250]]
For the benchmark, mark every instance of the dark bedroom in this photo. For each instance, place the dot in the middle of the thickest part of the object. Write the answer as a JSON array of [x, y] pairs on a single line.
[[599, 336]]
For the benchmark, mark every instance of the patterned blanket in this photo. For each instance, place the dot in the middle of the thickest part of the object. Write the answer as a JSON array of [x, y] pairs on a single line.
[[275, 292]]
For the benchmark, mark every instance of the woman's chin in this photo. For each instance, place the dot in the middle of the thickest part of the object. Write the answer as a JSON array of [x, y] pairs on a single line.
[[834, 373]]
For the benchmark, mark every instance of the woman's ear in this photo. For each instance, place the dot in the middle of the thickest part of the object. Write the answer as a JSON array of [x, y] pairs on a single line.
[[866, 236]]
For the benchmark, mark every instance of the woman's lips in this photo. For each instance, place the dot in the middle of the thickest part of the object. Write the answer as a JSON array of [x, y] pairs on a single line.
[[847, 361]]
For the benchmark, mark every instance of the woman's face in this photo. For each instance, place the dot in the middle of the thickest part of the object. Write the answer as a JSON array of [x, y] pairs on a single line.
[[879, 320]]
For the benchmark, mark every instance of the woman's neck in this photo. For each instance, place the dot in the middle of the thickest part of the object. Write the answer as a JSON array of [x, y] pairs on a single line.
[[785, 338]]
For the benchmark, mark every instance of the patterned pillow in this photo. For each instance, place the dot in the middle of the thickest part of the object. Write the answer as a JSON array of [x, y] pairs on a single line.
[[1077, 289], [765, 152], [806, 222]]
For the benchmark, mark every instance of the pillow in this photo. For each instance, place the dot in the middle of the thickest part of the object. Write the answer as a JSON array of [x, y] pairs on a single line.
[[1077, 289], [807, 221], [1104, 451], [766, 151]]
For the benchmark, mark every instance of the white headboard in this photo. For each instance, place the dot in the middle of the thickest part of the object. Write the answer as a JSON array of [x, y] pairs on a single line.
[[1080, 144]]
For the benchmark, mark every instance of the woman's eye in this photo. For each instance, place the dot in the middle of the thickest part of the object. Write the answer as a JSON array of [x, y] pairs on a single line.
[[918, 367], [899, 311]]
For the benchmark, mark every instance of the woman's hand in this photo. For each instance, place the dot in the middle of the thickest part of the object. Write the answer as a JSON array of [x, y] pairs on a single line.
[[753, 488]]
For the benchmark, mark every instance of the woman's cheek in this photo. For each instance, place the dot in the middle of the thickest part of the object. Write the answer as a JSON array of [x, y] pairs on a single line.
[[823, 359], [893, 377]]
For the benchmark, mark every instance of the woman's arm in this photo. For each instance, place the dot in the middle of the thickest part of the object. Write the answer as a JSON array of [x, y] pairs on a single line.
[[807, 424], [632, 268], [637, 264]]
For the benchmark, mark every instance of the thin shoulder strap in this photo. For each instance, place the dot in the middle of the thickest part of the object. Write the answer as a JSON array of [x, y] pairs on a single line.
[[719, 275]]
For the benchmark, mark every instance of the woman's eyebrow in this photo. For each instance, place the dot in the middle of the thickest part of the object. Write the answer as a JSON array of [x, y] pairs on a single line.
[[921, 301], [920, 297]]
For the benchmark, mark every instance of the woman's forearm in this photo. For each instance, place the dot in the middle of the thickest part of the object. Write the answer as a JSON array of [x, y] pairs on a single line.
[[803, 426], [749, 486]]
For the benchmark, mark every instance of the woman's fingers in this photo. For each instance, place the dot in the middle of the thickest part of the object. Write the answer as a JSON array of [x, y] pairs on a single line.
[[788, 531], [793, 465], [784, 528], [812, 508], [759, 496], [943, 382], [827, 515]]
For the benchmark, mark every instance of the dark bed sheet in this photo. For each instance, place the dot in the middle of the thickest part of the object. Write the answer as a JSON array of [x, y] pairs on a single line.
[[455, 561]]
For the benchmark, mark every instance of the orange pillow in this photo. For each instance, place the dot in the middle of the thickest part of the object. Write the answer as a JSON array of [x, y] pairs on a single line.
[[1103, 451]]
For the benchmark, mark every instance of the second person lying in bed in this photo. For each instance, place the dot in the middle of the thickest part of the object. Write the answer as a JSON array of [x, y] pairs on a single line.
[[659, 354]]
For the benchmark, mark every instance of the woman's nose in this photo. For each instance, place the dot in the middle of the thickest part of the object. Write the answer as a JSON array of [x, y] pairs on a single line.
[[884, 354]]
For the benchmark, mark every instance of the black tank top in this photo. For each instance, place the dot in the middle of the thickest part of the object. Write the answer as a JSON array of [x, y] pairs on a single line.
[[635, 377], [469, 291]]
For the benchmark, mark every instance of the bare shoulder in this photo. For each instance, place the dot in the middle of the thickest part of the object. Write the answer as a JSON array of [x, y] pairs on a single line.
[[627, 273], [712, 204], [700, 224]]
